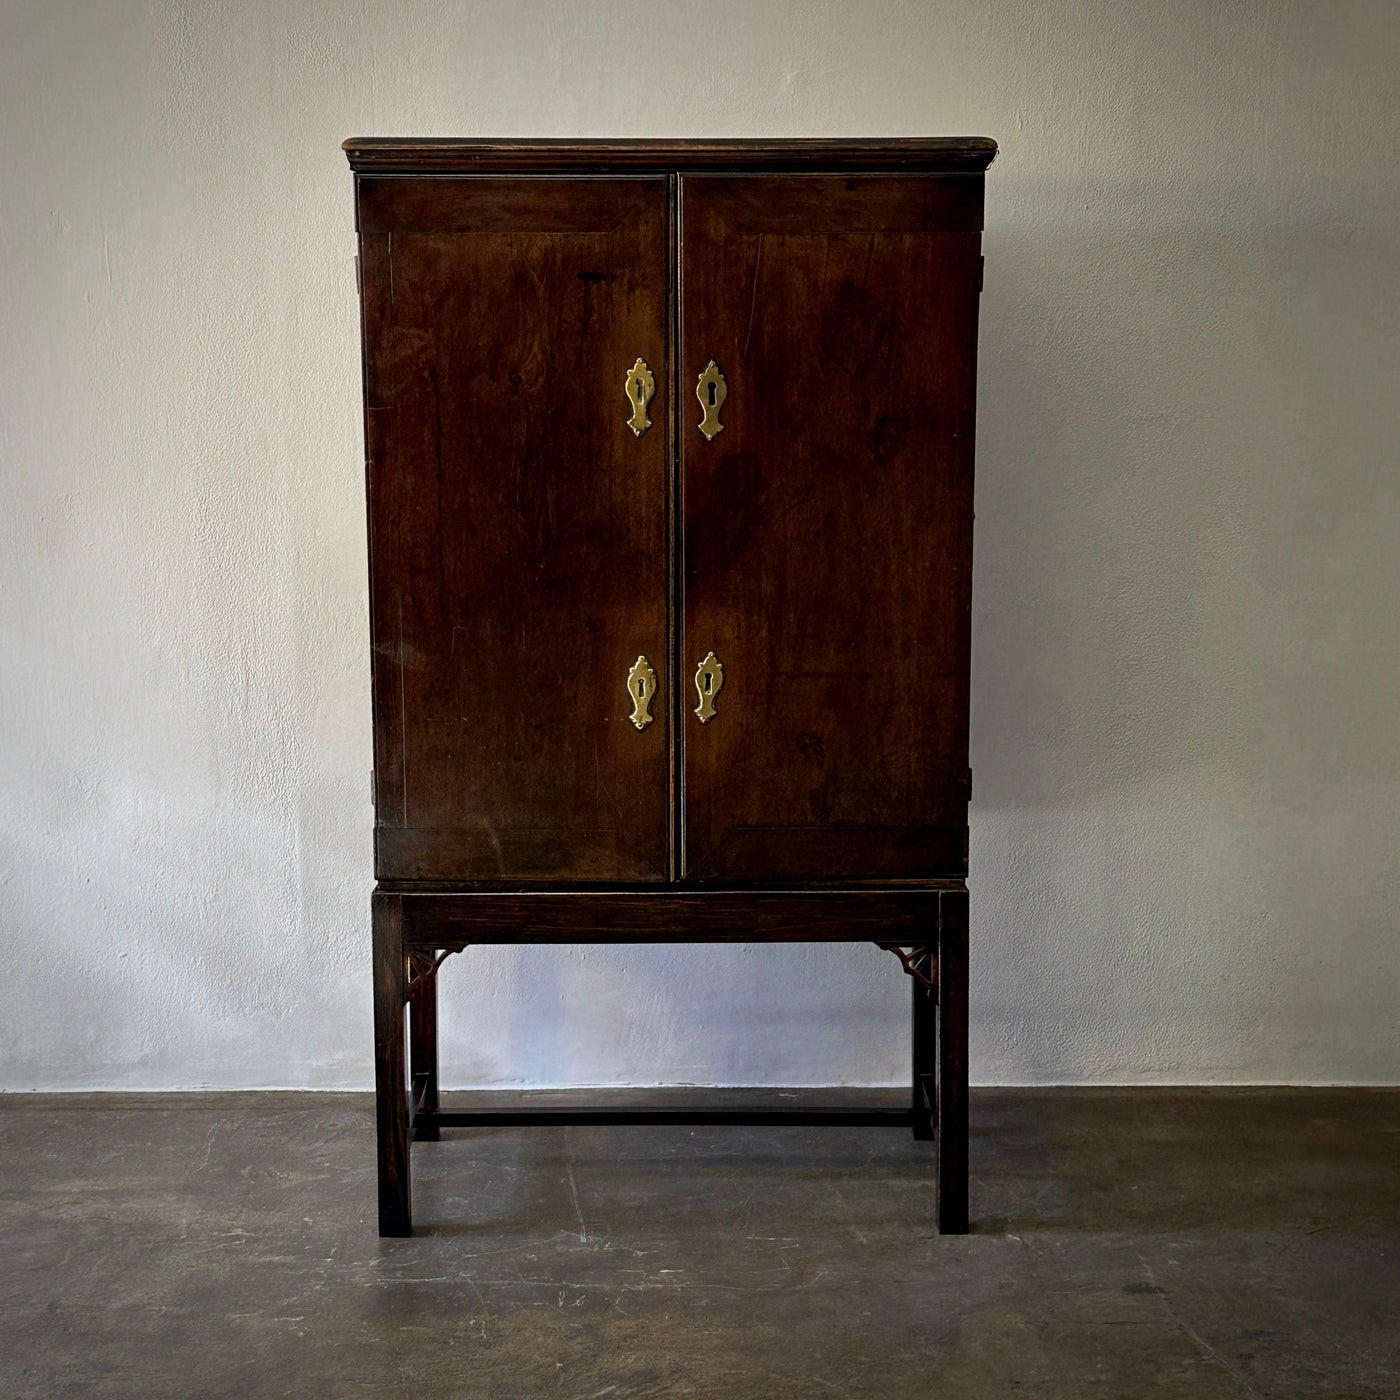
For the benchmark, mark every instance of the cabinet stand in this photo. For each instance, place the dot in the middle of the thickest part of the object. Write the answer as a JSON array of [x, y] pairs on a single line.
[[926, 928]]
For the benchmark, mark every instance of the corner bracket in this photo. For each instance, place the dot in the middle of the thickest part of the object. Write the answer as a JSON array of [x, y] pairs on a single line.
[[918, 960], [423, 967]]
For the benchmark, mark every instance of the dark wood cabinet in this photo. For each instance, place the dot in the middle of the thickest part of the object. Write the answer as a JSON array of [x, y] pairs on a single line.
[[669, 471]]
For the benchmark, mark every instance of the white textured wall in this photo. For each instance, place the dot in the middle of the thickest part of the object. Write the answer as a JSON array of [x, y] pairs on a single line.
[[1187, 807]]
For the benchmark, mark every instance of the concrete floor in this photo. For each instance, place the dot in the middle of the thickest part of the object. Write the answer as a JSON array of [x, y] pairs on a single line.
[[1126, 1244]]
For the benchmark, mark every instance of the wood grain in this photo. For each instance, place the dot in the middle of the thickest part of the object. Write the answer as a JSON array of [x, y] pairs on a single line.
[[518, 527], [828, 528]]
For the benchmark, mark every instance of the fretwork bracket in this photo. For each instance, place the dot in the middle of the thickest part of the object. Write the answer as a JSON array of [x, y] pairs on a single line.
[[917, 959], [422, 966]]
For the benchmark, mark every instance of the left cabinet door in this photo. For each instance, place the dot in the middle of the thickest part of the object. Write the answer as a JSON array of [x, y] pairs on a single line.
[[518, 525]]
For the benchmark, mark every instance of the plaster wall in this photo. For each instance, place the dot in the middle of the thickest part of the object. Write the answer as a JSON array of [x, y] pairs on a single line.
[[1187, 803]]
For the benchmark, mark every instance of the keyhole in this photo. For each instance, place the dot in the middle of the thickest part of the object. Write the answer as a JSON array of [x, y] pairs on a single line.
[[639, 391], [711, 387], [709, 679], [641, 690]]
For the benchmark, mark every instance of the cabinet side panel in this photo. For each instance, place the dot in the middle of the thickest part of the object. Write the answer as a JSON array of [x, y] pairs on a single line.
[[376, 332], [828, 526], [517, 525]]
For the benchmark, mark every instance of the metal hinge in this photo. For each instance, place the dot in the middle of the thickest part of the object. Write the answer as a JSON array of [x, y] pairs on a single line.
[[371, 788], [359, 278]]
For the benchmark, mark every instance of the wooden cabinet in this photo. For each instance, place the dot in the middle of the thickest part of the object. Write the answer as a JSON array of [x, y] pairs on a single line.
[[669, 472]]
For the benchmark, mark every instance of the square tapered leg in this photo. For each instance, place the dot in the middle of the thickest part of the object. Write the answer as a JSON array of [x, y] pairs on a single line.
[[951, 1125], [923, 1046], [422, 1043], [390, 1088]]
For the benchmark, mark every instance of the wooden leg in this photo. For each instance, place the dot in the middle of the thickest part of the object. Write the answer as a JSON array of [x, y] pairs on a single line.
[[923, 1044], [422, 1041], [390, 1089], [952, 1064]]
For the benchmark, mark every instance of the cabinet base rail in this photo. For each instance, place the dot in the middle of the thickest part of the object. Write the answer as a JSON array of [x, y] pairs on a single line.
[[926, 930], [651, 1117]]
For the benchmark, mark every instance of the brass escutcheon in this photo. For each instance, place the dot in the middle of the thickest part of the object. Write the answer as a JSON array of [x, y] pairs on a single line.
[[712, 392], [640, 386], [641, 687], [708, 680]]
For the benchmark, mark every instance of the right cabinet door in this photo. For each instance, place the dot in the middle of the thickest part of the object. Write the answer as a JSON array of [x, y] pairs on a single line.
[[826, 511]]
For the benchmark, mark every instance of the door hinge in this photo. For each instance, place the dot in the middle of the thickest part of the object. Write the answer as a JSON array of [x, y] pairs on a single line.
[[372, 794], [359, 278], [969, 784], [981, 272]]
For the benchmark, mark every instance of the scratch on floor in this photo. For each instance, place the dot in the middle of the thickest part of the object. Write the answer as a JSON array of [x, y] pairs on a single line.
[[480, 1298], [573, 1191], [1205, 1347], [854, 1228], [208, 1148]]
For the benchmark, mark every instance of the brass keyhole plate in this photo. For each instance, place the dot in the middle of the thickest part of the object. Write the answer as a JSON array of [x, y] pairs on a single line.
[[639, 388], [641, 689], [708, 680], [712, 392]]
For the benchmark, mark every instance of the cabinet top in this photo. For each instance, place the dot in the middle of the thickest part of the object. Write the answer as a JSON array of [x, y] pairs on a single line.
[[398, 155]]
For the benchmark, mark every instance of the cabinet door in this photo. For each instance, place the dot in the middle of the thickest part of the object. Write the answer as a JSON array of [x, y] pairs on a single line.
[[517, 524], [827, 526]]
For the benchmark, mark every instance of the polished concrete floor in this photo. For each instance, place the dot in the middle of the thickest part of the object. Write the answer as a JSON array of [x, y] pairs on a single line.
[[1126, 1243]]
